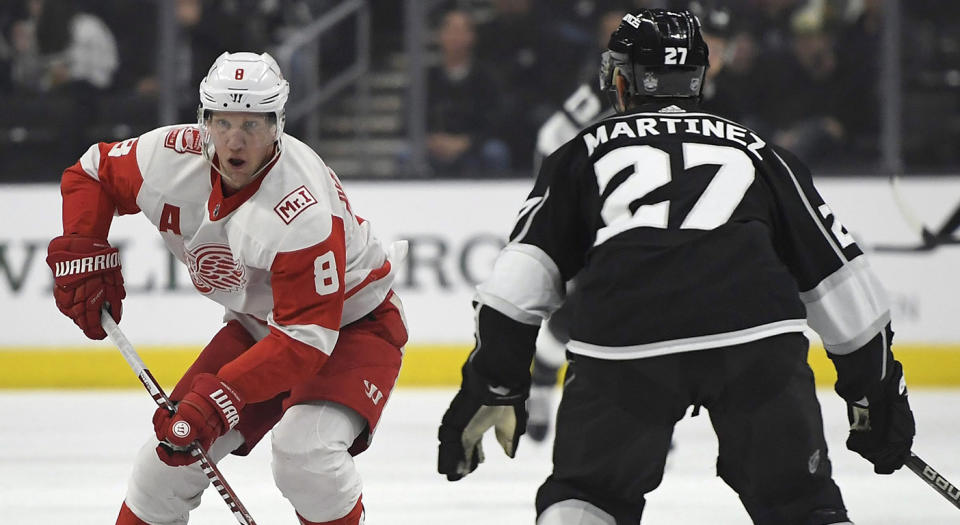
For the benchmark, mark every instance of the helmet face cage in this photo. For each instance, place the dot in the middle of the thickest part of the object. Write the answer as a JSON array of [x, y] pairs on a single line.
[[659, 53], [243, 82]]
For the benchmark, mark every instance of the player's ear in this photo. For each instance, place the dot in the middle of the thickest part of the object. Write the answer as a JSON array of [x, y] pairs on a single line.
[[621, 85]]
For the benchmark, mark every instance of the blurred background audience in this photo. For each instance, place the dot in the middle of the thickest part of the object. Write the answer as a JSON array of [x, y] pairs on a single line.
[[464, 110], [809, 74]]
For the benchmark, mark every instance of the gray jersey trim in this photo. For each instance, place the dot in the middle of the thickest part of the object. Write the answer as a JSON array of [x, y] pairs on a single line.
[[574, 511], [848, 308], [525, 284], [689, 344]]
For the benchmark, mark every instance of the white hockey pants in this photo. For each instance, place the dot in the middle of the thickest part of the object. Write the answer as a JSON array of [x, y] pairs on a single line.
[[311, 467]]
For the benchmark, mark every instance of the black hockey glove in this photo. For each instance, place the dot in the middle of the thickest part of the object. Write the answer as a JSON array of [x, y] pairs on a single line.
[[494, 391], [478, 406], [881, 425]]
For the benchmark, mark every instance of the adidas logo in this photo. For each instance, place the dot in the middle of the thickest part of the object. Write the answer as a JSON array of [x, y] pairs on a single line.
[[672, 109]]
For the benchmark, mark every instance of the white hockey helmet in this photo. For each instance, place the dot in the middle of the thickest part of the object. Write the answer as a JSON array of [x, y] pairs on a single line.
[[245, 82]]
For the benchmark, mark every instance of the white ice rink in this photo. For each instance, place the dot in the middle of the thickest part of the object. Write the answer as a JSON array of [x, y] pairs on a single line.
[[65, 457]]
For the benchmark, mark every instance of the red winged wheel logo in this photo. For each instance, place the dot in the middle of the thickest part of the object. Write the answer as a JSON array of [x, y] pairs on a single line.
[[212, 267]]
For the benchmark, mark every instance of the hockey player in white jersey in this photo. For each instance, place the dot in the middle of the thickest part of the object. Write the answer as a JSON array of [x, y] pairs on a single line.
[[702, 253], [313, 334]]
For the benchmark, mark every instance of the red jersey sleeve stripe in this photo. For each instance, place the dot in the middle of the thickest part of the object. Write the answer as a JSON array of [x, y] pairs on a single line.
[[120, 174], [105, 180], [87, 207], [308, 284], [271, 366]]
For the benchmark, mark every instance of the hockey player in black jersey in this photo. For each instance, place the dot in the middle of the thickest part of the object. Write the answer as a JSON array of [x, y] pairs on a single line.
[[585, 106], [702, 253]]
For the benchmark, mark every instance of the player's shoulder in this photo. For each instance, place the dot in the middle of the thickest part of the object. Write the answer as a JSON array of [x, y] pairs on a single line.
[[299, 165], [783, 161], [565, 159], [293, 206], [169, 156], [167, 146], [177, 139], [301, 162]]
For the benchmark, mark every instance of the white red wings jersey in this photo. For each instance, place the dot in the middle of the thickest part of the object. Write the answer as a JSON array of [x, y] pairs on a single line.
[[287, 249]]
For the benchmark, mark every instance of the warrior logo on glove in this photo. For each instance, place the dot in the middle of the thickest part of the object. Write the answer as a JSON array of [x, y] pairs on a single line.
[[181, 429], [209, 410], [229, 411], [86, 275], [86, 265]]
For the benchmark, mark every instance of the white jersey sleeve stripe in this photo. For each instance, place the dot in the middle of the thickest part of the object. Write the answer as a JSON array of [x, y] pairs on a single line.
[[529, 219], [848, 308], [810, 210], [525, 284], [688, 344], [254, 326], [90, 161], [323, 339]]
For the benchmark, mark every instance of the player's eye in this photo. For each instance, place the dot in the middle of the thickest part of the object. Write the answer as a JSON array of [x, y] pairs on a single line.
[[222, 124], [250, 125]]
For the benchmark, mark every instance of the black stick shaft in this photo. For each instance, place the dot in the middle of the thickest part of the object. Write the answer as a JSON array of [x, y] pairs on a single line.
[[934, 479]]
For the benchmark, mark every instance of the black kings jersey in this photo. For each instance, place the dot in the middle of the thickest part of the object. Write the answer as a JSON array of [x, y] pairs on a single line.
[[686, 231]]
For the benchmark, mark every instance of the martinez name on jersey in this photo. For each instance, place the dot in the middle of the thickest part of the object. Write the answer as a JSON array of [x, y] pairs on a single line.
[[642, 125]]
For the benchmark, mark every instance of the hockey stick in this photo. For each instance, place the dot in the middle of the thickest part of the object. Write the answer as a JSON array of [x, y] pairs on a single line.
[[160, 397], [934, 479], [928, 239]]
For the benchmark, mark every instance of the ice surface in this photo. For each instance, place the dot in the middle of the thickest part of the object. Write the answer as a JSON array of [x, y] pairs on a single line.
[[65, 457]]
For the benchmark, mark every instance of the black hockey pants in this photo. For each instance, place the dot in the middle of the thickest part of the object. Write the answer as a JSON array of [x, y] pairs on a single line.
[[616, 420]]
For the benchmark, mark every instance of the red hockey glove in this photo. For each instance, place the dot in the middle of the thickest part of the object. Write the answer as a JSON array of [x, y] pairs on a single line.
[[208, 411], [86, 274]]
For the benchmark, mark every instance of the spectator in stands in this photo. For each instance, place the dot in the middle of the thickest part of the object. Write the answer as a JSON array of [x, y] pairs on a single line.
[[858, 57], [205, 29], [605, 23], [205, 32], [9, 18], [768, 21], [63, 52], [802, 102], [59, 46], [741, 91], [534, 65], [463, 106], [577, 20], [717, 29]]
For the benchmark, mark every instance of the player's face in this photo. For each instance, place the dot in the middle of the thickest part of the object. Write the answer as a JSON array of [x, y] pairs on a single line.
[[243, 142]]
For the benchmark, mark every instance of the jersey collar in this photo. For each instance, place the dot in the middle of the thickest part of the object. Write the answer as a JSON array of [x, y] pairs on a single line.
[[655, 105], [219, 205]]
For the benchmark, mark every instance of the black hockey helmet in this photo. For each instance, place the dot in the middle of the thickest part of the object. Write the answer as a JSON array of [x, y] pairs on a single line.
[[660, 53]]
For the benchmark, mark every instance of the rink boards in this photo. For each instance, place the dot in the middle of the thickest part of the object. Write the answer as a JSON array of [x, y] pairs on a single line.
[[454, 230]]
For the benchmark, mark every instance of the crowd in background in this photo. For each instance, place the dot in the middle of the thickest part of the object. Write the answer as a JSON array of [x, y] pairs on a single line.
[[803, 72], [78, 71]]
